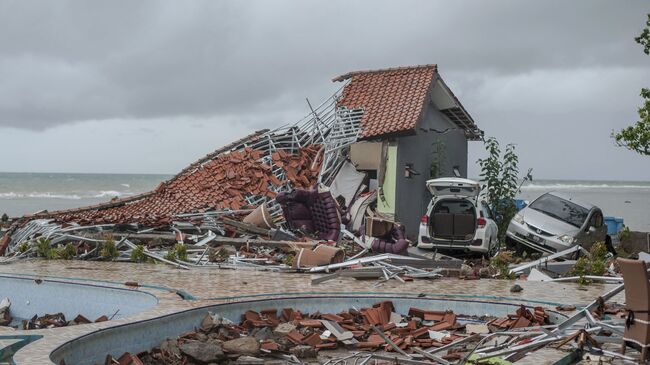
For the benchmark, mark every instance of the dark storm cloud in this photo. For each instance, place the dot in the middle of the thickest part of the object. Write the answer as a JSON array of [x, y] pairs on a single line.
[[70, 61]]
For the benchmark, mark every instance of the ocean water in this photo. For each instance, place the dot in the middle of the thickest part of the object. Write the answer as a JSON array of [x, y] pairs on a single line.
[[22, 193], [627, 199]]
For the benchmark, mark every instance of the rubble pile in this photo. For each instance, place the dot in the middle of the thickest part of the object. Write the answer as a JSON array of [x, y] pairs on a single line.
[[5, 316], [293, 336], [57, 320], [44, 321]]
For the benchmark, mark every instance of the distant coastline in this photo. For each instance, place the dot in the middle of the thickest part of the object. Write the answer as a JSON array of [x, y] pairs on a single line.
[[23, 193]]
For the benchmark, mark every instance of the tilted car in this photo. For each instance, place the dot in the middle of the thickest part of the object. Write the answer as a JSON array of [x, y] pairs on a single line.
[[457, 218], [555, 222]]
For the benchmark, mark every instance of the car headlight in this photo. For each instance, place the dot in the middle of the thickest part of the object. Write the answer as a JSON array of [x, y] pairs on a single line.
[[518, 218], [567, 239]]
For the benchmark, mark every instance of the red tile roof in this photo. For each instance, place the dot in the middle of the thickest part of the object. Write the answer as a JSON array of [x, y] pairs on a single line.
[[393, 99], [218, 181]]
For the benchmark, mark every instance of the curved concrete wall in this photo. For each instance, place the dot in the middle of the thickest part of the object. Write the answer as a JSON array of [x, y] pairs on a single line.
[[29, 297], [143, 335]]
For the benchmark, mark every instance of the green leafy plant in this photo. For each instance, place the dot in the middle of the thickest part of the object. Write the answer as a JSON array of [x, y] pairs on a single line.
[[581, 269], [137, 254], [54, 253], [23, 247], [181, 251], [171, 255], [67, 252], [501, 263], [500, 174], [43, 247], [624, 233], [178, 252], [109, 249], [595, 264], [637, 137]]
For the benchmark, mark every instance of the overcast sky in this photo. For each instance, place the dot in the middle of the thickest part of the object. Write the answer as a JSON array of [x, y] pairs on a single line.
[[148, 87]]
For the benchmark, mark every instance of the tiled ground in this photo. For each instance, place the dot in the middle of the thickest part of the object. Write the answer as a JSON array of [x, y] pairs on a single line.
[[210, 285]]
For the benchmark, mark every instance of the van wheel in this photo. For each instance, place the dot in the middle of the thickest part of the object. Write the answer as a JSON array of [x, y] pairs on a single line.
[[493, 249]]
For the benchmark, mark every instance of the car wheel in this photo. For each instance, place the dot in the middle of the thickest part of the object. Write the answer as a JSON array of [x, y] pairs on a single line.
[[511, 244], [493, 249], [519, 249]]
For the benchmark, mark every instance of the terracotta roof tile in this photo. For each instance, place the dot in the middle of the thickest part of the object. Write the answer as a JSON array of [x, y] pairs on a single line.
[[218, 184], [392, 99]]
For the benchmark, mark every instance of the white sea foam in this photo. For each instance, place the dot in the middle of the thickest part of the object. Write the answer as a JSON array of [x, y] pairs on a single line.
[[108, 193], [68, 196], [126, 185], [558, 186], [36, 195]]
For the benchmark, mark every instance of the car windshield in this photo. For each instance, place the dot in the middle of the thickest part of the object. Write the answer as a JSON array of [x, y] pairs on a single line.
[[561, 209]]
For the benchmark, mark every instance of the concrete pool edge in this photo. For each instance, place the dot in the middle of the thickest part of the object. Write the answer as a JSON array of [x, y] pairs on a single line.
[[105, 335], [185, 295]]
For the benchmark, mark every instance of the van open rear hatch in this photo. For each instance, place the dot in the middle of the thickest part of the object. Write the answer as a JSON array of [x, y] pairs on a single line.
[[453, 219], [454, 187]]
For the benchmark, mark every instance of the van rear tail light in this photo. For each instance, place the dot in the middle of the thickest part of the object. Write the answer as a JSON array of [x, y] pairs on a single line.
[[481, 222], [424, 219]]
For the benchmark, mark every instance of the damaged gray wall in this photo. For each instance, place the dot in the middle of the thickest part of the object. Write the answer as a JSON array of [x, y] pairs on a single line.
[[412, 196]]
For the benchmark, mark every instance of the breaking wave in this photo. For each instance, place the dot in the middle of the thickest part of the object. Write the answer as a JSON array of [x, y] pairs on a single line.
[[109, 194], [45, 195], [582, 186], [69, 196]]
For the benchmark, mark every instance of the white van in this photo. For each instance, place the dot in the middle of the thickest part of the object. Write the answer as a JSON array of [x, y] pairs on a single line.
[[457, 218]]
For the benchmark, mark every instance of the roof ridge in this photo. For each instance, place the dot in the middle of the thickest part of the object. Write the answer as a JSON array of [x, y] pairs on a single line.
[[380, 70]]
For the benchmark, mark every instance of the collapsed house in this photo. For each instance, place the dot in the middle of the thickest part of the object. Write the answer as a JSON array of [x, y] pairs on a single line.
[[413, 129], [381, 133]]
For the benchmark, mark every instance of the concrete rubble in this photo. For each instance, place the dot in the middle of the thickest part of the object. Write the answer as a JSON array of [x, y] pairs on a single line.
[[264, 202], [419, 336], [289, 335]]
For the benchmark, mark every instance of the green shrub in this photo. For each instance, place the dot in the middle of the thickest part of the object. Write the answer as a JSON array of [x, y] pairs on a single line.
[[598, 268], [67, 252], [500, 174], [23, 247], [599, 251], [624, 233], [137, 254], [171, 255], [501, 264], [43, 247], [181, 251], [595, 265], [109, 249], [581, 269]]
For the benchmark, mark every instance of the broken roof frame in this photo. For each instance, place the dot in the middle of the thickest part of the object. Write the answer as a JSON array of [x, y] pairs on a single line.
[[333, 127]]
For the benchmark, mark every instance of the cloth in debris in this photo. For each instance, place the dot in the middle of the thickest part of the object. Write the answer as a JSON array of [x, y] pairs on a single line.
[[395, 242], [320, 255], [312, 212], [357, 210], [347, 182]]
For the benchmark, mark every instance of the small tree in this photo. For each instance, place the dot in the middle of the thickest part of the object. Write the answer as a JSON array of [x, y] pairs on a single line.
[[500, 173], [637, 137]]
